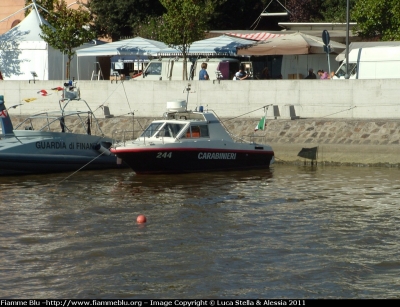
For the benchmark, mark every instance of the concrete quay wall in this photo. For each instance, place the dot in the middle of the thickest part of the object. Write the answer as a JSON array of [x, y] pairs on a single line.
[[348, 99], [351, 121], [339, 142]]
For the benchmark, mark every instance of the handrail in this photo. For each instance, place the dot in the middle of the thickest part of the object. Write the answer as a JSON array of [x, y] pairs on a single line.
[[123, 139]]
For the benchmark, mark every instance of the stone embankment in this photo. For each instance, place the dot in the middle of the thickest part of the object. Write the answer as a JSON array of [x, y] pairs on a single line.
[[340, 142]]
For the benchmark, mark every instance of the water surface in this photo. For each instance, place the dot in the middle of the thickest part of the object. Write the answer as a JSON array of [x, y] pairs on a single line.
[[288, 232]]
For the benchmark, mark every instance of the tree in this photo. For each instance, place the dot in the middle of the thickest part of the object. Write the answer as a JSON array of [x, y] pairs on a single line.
[[377, 19], [304, 10], [318, 10], [118, 18], [150, 28], [184, 23], [241, 15], [335, 10], [70, 29], [48, 5]]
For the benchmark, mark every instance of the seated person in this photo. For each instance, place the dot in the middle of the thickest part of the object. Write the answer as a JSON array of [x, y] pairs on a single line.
[[241, 74]]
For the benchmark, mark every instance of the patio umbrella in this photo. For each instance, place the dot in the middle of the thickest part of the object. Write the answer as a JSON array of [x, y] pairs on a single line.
[[291, 44]]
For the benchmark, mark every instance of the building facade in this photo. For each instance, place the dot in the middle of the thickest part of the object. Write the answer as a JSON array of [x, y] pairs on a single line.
[[10, 7]]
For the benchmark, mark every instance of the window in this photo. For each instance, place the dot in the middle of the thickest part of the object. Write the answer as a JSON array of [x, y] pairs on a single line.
[[204, 131], [171, 130], [342, 70], [197, 132], [15, 22], [154, 69]]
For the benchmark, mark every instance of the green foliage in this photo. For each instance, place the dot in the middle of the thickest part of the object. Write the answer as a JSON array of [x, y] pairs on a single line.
[[121, 18], [241, 14], [70, 29], [185, 22], [377, 19], [335, 10], [304, 10], [318, 10], [151, 28], [46, 4]]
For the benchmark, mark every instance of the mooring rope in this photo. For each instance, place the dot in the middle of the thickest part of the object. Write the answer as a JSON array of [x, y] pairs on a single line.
[[79, 169]]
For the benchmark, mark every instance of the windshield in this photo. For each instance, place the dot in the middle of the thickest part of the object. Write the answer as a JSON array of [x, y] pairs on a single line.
[[154, 69], [163, 130], [341, 72], [151, 130], [171, 130]]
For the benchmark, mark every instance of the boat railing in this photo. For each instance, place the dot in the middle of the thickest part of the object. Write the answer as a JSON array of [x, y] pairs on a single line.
[[74, 122], [93, 119], [250, 138], [121, 137]]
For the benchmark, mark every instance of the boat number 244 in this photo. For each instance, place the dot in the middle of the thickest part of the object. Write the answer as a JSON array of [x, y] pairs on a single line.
[[164, 155]]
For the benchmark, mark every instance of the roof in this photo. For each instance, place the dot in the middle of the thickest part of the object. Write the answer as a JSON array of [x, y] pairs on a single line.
[[356, 45], [296, 43], [224, 45], [133, 46], [28, 29], [259, 36], [336, 33]]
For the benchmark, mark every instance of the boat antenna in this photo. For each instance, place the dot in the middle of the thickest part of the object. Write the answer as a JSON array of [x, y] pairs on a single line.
[[133, 123], [187, 89]]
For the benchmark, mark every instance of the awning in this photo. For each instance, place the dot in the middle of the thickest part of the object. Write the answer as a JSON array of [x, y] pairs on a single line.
[[296, 43], [130, 59], [223, 45], [135, 46], [255, 36]]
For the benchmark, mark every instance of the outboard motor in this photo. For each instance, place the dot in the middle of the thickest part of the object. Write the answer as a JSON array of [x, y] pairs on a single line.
[[71, 91], [6, 124]]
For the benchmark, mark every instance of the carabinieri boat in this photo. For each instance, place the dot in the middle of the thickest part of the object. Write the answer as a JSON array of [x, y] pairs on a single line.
[[52, 141], [190, 141]]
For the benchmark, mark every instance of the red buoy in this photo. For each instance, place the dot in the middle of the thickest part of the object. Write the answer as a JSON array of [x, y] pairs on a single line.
[[141, 219]]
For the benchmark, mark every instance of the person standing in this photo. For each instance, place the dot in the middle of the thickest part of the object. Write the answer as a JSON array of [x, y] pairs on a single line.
[[1, 76], [203, 75], [311, 74], [265, 74]]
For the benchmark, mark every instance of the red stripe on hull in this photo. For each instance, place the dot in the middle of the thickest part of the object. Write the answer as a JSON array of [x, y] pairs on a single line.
[[156, 160], [174, 149]]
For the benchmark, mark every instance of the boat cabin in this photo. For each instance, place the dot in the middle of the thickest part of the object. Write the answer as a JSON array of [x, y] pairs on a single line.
[[186, 125]]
